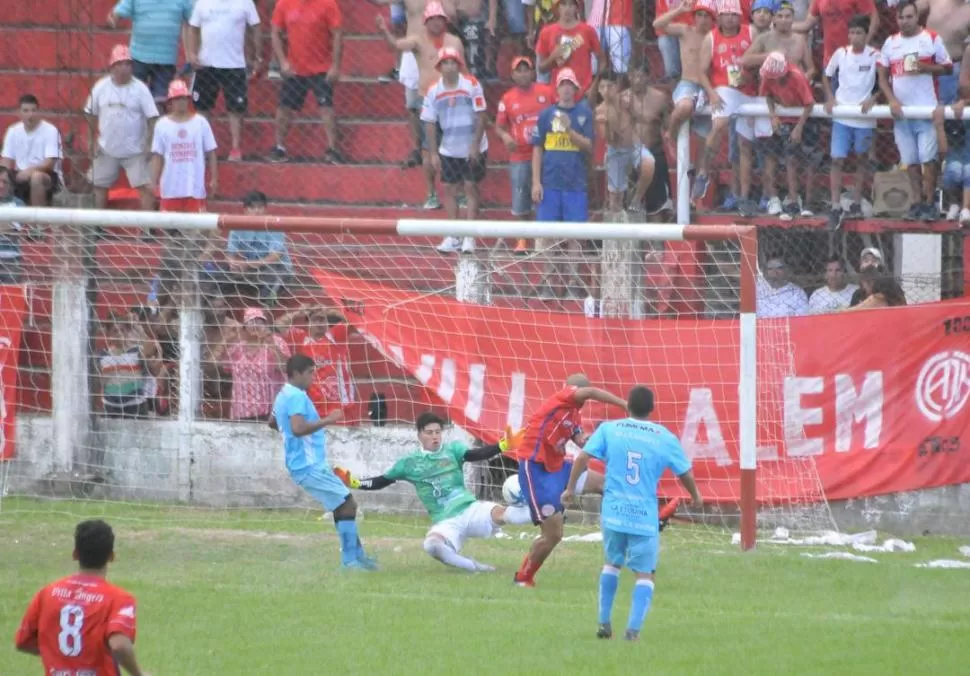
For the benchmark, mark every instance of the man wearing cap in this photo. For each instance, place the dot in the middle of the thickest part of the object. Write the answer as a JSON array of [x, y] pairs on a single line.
[[182, 147], [224, 39], [563, 144], [786, 86], [456, 104], [569, 43], [420, 49], [122, 110], [691, 36], [518, 112], [310, 61], [156, 26]]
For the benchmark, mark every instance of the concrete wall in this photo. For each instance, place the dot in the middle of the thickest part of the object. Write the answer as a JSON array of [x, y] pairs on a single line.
[[241, 465]]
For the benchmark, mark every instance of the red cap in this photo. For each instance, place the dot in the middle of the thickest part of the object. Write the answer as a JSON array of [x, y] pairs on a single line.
[[433, 9], [567, 75], [119, 53], [178, 89], [709, 6], [775, 65], [519, 60], [446, 53]]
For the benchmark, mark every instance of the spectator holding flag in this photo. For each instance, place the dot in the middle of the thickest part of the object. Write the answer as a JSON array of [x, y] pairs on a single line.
[[182, 147]]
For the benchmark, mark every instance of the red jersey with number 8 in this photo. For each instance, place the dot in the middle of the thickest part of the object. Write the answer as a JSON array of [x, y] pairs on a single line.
[[69, 623]]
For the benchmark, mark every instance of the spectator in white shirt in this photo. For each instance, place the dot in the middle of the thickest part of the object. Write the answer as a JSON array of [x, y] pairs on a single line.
[[224, 40], [123, 110], [11, 268], [777, 296], [836, 294], [913, 58], [182, 147], [32, 148]]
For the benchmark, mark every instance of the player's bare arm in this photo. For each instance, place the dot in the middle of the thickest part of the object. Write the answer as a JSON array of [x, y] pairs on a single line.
[[302, 427], [806, 62], [757, 52], [579, 466], [584, 394], [123, 651], [687, 481]]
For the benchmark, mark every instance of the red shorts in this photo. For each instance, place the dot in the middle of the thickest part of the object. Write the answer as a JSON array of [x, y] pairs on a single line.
[[184, 205]]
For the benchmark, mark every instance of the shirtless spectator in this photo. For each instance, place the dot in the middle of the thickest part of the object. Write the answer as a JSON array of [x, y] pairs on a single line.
[[651, 107], [836, 294], [427, 34], [613, 21], [690, 37], [834, 17], [728, 86], [123, 111], [515, 124], [624, 153], [182, 147], [853, 69], [910, 61], [781, 39], [32, 149], [156, 26], [784, 85], [762, 14], [456, 105], [472, 24], [310, 61], [569, 43], [224, 41], [668, 41]]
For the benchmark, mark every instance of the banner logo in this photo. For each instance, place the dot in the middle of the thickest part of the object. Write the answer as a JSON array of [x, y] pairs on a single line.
[[943, 386]]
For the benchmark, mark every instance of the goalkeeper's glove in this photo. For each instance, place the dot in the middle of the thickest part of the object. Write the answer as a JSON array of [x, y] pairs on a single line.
[[510, 440], [350, 481], [666, 512]]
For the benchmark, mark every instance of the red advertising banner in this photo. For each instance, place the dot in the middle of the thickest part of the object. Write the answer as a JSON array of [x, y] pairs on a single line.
[[13, 303], [849, 404]]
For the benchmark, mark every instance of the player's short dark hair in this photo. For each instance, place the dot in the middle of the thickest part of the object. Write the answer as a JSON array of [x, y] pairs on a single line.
[[94, 542], [28, 98], [639, 403], [254, 198], [298, 363], [907, 3], [428, 418], [860, 21], [835, 259]]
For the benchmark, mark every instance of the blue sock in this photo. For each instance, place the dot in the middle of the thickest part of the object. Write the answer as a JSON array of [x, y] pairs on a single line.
[[609, 581], [347, 530], [642, 596]]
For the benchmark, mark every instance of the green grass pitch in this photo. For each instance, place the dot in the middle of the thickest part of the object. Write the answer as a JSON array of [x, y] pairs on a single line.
[[260, 593]]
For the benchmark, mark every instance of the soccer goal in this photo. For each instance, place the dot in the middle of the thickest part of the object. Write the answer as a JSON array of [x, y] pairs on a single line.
[[151, 345]]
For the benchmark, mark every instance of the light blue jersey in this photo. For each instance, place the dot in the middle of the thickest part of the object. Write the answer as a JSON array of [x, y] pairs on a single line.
[[636, 453], [302, 453], [156, 28]]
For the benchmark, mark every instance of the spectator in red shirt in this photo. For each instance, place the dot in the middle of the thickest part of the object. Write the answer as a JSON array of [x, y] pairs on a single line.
[[314, 37], [785, 85], [516, 123], [834, 16], [569, 43]]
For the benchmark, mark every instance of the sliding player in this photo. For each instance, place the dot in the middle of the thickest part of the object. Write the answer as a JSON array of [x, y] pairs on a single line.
[[81, 624], [436, 474], [543, 470], [305, 446], [636, 452]]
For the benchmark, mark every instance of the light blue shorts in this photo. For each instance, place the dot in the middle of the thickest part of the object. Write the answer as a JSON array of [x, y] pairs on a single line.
[[399, 15], [520, 176], [324, 486], [515, 16], [686, 89], [620, 162], [846, 139], [916, 141], [956, 165], [636, 552]]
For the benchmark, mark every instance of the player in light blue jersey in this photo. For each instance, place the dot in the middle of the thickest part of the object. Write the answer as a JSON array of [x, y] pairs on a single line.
[[636, 452], [305, 445]]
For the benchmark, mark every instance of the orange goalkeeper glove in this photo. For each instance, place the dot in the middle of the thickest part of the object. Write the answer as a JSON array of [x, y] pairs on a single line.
[[510, 440], [345, 476]]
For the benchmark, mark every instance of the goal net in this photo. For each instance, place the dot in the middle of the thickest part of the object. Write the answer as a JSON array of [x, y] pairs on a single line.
[[150, 355]]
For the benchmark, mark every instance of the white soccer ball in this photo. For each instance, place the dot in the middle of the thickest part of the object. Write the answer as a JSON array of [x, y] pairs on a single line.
[[512, 491]]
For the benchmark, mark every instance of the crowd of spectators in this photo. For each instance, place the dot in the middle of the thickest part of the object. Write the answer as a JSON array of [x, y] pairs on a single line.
[[577, 77]]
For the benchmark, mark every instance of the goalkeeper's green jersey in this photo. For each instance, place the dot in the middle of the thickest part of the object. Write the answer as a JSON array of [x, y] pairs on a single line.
[[438, 480]]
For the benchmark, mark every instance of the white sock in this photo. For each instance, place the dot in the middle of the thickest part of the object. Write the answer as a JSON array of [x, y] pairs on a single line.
[[442, 551], [517, 516]]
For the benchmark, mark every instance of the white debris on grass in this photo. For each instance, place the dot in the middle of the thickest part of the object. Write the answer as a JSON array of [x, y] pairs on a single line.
[[861, 542], [944, 563], [501, 535], [589, 537], [890, 545], [843, 556], [965, 550]]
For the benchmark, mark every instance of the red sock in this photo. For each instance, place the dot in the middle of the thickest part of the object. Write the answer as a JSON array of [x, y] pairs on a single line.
[[528, 570]]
